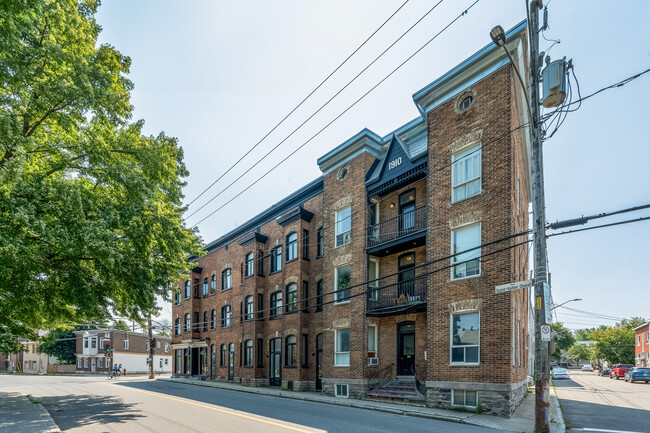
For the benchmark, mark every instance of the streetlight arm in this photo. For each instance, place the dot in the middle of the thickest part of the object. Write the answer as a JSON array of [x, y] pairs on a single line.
[[570, 300]]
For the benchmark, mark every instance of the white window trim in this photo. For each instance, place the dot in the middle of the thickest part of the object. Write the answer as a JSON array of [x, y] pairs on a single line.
[[347, 390], [336, 345], [375, 284], [468, 148], [376, 340], [451, 338], [126, 344], [464, 391], [464, 226], [336, 233], [336, 284], [166, 347]]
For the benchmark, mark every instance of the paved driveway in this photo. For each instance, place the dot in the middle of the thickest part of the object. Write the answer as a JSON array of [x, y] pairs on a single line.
[[594, 403]]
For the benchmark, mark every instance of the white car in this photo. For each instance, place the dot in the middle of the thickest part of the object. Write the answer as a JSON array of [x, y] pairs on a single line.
[[560, 373], [587, 367]]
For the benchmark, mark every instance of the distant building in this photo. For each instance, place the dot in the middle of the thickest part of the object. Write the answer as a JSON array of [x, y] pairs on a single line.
[[642, 345], [29, 361], [131, 349]]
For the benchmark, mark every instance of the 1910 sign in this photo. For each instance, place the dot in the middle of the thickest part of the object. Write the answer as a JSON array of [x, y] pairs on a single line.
[[394, 163]]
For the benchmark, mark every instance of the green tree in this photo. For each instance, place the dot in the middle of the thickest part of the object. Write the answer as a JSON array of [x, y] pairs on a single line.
[[563, 339], [581, 351], [121, 325], [90, 208], [616, 343], [60, 343]]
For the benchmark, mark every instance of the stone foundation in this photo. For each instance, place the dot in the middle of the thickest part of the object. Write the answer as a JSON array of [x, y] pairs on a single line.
[[493, 398], [357, 388]]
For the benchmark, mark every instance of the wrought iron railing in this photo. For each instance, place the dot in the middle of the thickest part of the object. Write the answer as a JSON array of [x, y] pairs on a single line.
[[382, 375], [397, 227], [412, 291]]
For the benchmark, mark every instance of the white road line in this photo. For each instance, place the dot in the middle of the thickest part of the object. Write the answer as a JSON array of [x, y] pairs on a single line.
[[600, 430]]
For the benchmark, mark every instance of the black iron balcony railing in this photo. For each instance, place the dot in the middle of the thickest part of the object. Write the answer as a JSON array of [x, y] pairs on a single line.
[[397, 227], [399, 294]]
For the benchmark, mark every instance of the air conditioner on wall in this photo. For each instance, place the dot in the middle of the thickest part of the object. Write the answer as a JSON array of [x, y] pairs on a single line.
[[373, 361]]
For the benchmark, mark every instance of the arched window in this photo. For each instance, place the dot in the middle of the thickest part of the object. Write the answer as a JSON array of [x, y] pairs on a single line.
[[248, 353], [276, 305], [248, 270], [226, 279], [177, 326], [213, 285], [248, 312], [292, 246], [292, 298], [205, 287], [222, 360], [290, 358], [188, 323], [205, 321], [188, 289]]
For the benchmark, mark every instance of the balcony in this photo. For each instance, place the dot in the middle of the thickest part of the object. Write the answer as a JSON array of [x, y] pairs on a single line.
[[396, 234], [403, 297]]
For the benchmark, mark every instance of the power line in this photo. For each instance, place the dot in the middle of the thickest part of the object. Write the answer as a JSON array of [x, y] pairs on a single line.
[[337, 117], [600, 226], [317, 111], [300, 103]]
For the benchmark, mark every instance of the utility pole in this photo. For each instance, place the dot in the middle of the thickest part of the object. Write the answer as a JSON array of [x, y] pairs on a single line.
[[151, 349], [542, 396]]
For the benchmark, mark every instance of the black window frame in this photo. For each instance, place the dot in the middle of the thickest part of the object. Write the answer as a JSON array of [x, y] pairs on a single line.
[[197, 288], [319, 295], [260, 306], [213, 285], [226, 316], [226, 276], [290, 351], [276, 259], [188, 322], [275, 310], [305, 244], [260, 263], [205, 287], [205, 321], [248, 353], [249, 312], [196, 326], [304, 351], [213, 319], [177, 298], [320, 242], [305, 296], [178, 326], [222, 355], [260, 353], [291, 242], [291, 304], [188, 289], [249, 268]]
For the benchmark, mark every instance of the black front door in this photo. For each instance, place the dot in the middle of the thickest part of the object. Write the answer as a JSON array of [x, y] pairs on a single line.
[[319, 367], [195, 361], [275, 364], [406, 274], [231, 362], [406, 350]]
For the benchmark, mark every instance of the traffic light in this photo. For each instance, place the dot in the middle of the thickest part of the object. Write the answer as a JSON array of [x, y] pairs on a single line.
[[152, 344], [107, 347]]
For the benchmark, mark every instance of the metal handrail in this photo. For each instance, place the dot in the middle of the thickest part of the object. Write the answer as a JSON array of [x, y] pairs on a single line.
[[407, 292], [396, 227], [378, 373]]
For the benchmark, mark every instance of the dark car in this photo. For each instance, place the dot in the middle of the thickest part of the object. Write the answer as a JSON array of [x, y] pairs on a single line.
[[638, 374], [605, 371]]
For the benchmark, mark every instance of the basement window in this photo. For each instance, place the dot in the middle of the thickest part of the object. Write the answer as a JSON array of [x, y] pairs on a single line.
[[460, 397], [341, 391]]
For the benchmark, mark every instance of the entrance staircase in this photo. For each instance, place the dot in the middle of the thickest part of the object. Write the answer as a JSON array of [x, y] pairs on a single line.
[[403, 389]]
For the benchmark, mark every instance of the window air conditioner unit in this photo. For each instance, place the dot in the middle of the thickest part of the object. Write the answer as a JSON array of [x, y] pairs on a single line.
[[373, 361]]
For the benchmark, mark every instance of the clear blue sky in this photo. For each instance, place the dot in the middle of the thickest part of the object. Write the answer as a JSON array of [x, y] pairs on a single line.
[[219, 75]]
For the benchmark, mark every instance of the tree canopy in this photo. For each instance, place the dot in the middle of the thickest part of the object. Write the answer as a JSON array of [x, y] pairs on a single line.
[[563, 339], [616, 343], [90, 208]]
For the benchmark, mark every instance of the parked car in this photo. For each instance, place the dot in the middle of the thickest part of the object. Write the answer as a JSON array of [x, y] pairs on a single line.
[[560, 373], [587, 367], [619, 370], [638, 374], [605, 371]]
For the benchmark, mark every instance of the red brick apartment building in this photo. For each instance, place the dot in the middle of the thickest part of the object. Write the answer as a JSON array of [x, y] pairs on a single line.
[[352, 285]]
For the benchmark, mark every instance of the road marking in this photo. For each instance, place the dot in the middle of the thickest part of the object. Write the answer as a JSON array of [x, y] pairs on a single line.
[[600, 430], [229, 412]]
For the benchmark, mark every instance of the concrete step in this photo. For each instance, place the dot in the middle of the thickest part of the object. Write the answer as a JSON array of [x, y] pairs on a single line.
[[397, 390]]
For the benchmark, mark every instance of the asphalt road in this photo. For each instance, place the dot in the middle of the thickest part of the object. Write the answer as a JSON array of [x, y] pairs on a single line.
[[94, 404], [595, 403]]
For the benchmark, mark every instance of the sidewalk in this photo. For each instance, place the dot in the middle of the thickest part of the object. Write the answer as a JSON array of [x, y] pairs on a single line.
[[522, 421], [18, 414]]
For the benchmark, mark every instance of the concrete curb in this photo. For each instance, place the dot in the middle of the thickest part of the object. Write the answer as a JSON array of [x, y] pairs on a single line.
[[50, 425], [561, 427], [359, 404]]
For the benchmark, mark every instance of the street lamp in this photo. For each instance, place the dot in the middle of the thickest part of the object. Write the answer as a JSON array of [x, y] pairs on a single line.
[[570, 300], [499, 38]]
